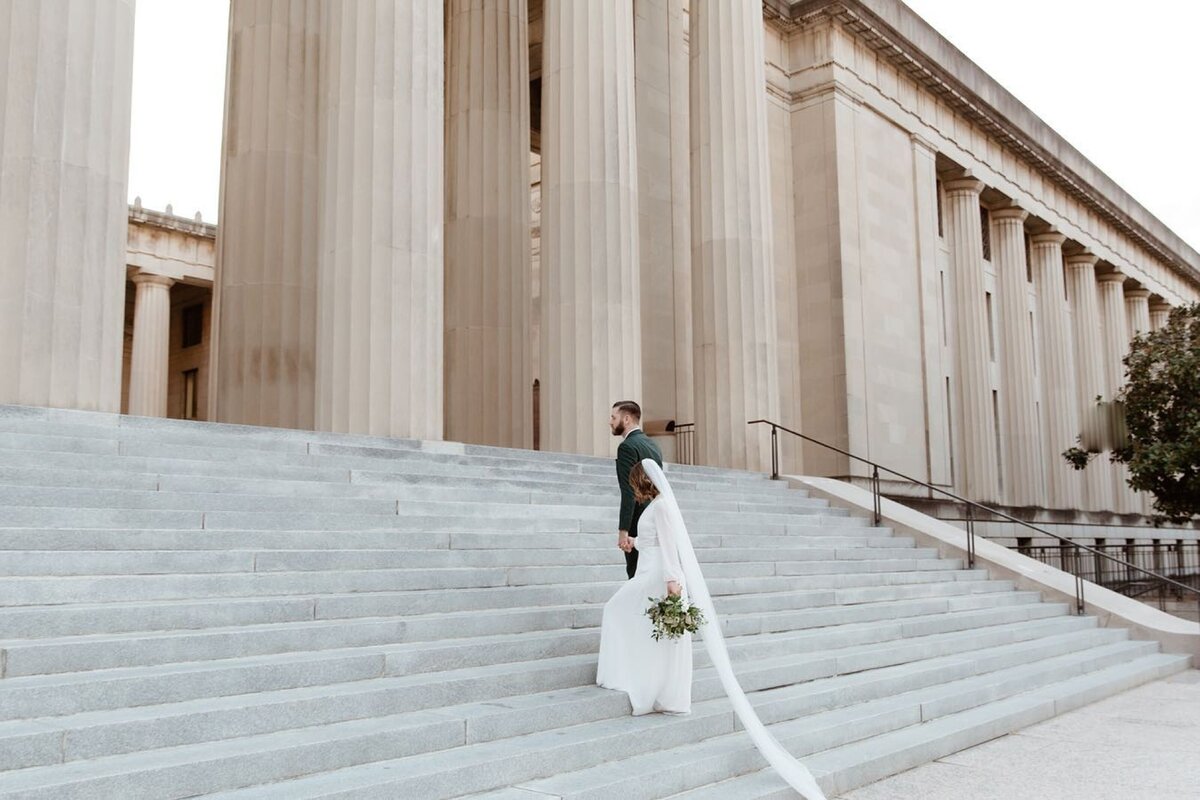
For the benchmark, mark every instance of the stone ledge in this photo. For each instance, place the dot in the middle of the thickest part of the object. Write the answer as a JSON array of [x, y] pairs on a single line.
[[1113, 610]]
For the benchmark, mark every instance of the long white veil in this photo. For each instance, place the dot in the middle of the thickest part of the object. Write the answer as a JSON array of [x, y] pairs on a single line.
[[791, 770]]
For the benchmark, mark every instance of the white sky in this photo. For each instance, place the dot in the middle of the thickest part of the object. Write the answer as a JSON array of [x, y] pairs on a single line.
[[1118, 81]]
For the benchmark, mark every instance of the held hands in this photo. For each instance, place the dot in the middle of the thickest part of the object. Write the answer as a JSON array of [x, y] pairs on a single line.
[[624, 542]]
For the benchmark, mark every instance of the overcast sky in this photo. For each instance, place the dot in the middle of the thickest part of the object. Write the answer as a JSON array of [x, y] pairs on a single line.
[[1117, 80]]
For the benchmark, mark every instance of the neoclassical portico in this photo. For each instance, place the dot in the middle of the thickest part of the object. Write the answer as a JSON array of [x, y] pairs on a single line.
[[746, 210]]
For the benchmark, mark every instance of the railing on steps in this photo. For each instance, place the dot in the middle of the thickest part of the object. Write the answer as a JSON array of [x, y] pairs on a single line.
[[1071, 554], [685, 442], [1178, 560]]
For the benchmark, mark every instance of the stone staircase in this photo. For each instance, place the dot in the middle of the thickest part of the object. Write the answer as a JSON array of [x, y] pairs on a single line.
[[190, 609]]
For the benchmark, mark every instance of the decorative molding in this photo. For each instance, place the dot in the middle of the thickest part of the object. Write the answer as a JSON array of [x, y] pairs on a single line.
[[856, 17]]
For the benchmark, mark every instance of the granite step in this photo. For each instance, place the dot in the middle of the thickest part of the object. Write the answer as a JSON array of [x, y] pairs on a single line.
[[538, 696], [583, 751]]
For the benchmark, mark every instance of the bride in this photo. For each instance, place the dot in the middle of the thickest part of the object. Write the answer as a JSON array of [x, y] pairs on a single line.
[[657, 676]]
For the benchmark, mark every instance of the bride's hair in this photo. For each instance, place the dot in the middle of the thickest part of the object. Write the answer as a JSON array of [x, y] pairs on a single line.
[[644, 489]]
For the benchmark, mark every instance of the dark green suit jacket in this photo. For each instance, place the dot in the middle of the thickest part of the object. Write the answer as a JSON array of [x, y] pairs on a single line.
[[637, 446]]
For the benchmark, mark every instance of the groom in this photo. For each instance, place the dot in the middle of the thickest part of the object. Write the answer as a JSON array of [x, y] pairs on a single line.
[[626, 421]]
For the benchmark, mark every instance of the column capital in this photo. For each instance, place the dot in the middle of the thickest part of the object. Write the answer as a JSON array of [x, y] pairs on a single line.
[[1137, 294], [1014, 213], [1116, 276], [1160, 306], [1080, 260], [149, 277], [964, 186], [1047, 239]]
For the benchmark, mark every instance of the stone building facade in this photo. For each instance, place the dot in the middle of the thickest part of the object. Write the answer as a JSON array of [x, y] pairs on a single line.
[[435, 211]]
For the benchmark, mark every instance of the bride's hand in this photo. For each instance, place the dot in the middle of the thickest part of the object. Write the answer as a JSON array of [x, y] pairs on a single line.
[[673, 588]]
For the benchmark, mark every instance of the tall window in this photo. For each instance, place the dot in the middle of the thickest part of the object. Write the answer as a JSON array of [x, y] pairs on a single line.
[[985, 228], [1028, 258], [189, 393], [193, 326], [938, 194]]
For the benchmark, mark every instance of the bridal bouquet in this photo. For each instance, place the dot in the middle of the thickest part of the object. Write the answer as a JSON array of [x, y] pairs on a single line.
[[672, 619]]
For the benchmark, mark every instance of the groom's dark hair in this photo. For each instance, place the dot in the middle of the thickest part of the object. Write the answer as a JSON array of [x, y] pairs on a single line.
[[629, 407]]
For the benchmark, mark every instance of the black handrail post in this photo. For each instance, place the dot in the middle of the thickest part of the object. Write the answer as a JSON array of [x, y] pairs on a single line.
[[774, 453], [875, 492], [970, 536], [1079, 604]]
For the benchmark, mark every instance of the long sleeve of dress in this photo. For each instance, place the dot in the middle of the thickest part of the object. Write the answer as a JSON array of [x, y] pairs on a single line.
[[668, 542]]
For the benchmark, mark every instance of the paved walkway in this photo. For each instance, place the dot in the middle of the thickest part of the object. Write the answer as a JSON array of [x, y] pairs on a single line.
[[1143, 744]]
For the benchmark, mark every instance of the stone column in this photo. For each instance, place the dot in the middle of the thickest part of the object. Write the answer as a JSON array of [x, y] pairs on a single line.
[[151, 345], [1160, 313], [975, 421], [1090, 379], [265, 297], [66, 74], [1137, 314], [380, 283], [664, 212], [733, 291], [590, 268], [489, 368], [1023, 454], [1060, 400], [1114, 326]]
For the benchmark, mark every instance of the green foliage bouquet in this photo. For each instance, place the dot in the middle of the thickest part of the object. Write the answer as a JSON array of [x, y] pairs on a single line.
[[672, 619]]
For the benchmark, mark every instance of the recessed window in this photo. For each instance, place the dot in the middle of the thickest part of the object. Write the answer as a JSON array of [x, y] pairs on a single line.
[[193, 325], [985, 227], [938, 193]]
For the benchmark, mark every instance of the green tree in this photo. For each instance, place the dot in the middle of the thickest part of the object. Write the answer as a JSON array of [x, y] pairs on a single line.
[[1161, 405]]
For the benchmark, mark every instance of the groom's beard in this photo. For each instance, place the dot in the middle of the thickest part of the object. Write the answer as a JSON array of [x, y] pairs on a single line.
[[619, 430]]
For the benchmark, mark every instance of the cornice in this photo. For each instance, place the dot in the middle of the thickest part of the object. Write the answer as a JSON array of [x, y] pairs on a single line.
[[165, 221], [878, 24]]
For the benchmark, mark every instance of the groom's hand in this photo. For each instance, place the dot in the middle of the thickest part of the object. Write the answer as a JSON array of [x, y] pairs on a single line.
[[624, 543]]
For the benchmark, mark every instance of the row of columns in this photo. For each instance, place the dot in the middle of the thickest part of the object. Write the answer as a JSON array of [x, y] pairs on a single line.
[[1086, 320], [336, 307]]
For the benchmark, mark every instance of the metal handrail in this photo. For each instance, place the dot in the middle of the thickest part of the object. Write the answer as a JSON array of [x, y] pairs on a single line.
[[970, 505]]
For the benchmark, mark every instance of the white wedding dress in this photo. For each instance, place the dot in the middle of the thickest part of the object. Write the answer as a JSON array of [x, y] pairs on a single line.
[[657, 676]]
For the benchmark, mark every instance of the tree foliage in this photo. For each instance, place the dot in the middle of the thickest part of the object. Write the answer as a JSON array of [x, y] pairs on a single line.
[[1161, 402]]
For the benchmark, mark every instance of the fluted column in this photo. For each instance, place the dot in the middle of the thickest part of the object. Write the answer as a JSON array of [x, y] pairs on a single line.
[[66, 73], [151, 345], [1137, 314], [265, 298], [1160, 313], [591, 309], [1090, 378], [1114, 326], [1060, 400], [1023, 454], [975, 425], [736, 367], [489, 370], [664, 211], [379, 333]]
